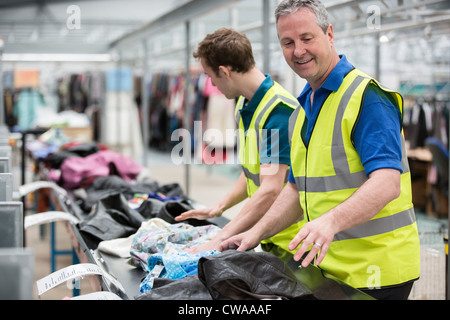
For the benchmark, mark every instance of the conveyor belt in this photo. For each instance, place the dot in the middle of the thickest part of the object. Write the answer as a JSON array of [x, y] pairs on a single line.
[[322, 286]]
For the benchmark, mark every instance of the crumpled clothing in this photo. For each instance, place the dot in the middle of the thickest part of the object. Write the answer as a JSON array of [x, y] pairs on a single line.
[[81, 172], [176, 266], [120, 247], [172, 239]]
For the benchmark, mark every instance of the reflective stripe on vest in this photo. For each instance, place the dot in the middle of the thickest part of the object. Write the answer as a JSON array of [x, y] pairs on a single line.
[[343, 179], [394, 228], [251, 142], [274, 96]]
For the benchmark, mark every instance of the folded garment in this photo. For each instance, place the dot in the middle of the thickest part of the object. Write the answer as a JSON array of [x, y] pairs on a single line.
[[250, 275]]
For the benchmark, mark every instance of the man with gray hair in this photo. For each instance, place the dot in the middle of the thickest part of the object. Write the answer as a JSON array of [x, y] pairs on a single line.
[[350, 178]]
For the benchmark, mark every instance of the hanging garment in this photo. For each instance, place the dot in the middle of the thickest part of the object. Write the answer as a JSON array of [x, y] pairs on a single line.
[[26, 106], [220, 119], [417, 130], [121, 126]]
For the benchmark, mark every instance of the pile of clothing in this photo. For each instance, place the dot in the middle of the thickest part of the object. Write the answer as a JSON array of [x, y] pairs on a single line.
[[233, 275], [131, 216], [127, 214]]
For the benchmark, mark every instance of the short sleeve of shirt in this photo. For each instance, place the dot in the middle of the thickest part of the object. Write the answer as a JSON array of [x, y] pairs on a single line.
[[275, 144], [291, 176], [377, 135]]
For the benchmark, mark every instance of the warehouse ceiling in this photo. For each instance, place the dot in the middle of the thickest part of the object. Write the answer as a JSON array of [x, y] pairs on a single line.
[[51, 26]]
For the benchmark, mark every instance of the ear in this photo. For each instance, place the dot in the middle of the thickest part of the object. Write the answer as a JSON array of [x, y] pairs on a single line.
[[330, 34], [225, 71]]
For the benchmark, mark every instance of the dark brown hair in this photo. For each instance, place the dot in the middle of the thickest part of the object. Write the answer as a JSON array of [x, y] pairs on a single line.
[[226, 47]]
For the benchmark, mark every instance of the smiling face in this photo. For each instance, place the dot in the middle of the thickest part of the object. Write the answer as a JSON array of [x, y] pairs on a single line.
[[307, 49]]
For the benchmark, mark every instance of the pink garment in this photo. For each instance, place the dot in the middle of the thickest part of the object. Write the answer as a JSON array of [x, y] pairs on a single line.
[[210, 88], [80, 172]]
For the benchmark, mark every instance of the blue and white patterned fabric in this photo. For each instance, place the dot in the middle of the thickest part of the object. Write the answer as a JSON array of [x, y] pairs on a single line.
[[172, 266], [163, 252]]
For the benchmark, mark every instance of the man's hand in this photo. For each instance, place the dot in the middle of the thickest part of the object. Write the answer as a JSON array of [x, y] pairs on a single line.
[[201, 214], [240, 242], [317, 236], [210, 245], [382, 187]]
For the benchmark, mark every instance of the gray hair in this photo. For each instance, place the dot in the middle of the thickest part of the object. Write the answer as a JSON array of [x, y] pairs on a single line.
[[287, 7]]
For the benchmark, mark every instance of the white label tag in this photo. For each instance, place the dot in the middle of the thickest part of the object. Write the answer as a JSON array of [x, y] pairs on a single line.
[[72, 272], [47, 217], [101, 295], [156, 272], [33, 186]]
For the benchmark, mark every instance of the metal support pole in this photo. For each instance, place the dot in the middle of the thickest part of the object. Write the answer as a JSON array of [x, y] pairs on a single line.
[[2, 105], [118, 146], [187, 108], [145, 104], [266, 36], [377, 58], [447, 269]]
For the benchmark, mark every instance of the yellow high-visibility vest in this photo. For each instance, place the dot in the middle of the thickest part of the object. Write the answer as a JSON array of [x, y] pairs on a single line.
[[249, 148], [382, 252]]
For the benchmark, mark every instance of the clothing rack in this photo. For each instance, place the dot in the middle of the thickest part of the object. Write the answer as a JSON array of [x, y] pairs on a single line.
[[427, 118], [426, 124], [167, 104]]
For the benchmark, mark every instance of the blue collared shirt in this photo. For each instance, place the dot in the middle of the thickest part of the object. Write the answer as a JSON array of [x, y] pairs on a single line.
[[277, 120], [377, 136]]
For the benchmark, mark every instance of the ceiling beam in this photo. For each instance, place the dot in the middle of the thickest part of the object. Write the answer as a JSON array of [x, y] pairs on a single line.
[[8, 4], [91, 48], [42, 21], [392, 27], [182, 14]]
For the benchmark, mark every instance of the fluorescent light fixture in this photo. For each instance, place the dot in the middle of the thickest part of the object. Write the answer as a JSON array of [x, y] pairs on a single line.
[[50, 57], [384, 39]]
